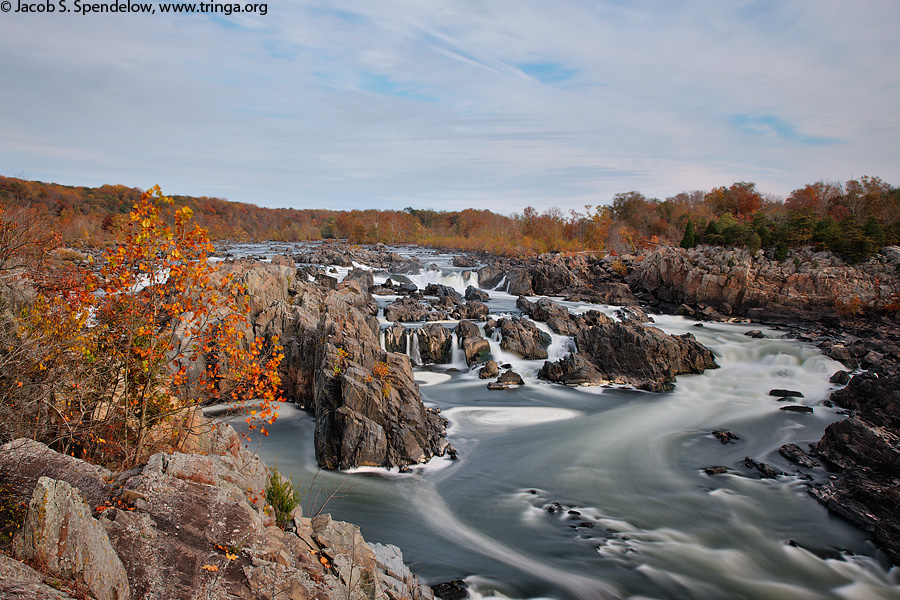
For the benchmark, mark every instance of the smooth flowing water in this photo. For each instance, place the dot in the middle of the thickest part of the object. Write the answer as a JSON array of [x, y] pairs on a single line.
[[601, 492]]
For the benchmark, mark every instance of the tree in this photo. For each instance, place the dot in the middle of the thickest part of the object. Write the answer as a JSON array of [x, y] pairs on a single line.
[[690, 237], [172, 332], [115, 365]]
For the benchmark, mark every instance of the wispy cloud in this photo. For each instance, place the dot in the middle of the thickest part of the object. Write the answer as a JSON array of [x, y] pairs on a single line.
[[773, 127], [455, 103]]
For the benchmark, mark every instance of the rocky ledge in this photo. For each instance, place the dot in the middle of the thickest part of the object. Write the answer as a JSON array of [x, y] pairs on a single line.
[[182, 526], [366, 403], [865, 447], [623, 352]]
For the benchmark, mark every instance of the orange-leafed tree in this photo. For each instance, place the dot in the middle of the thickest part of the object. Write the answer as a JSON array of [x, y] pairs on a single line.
[[170, 332]]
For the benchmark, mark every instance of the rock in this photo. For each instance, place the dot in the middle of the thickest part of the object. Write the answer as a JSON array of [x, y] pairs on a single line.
[[522, 337], [642, 356], [23, 462], [490, 369], [435, 343], [799, 408], [406, 309], [761, 288], [557, 318], [396, 338], [475, 347], [764, 470], [283, 261], [572, 370], [60, 532], [473, 293], [497, 386], [397, 580], [464, 261], [718, 470], [510, 378], [785, 393], [725, 436], [755, 333], [793, 453], [451, 590], [361, 419], [363, 276], [840, 377]]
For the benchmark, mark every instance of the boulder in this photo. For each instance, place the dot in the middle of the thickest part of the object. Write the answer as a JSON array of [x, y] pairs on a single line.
[[475, 347], [572, 370], [396, 338], [407, 309], [793, 453], [464, 261], [435, 343], [474, 293], [764, 470], [60, 533], [557, 318], [19, 581], [24, 461], [489, 370], [510, 378], [642, 356], [522, 337]]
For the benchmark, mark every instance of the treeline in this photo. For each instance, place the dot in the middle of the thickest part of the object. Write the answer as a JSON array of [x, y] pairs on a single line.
[[854, 218]]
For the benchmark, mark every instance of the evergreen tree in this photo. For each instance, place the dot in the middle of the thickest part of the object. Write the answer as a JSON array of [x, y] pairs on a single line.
[[690, 236]]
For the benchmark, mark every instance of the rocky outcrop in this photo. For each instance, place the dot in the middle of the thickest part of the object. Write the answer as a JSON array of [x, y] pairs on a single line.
[[407, 309], [581, 277], [572, 370], [807, 285], [187, 526], [522, 337], [377, 256], [60, 533], [489, 370], [435, 343], [642, 356], [866, 447], [474, 345], [630, 354], [366, 414]]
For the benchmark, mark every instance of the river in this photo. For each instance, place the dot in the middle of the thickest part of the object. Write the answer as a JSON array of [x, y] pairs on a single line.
[[583, 493]]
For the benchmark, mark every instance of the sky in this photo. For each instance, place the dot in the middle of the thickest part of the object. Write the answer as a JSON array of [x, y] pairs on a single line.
[[453, 104]]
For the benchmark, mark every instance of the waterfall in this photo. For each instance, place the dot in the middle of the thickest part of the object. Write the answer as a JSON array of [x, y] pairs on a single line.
[[412, 347], [457, 356]]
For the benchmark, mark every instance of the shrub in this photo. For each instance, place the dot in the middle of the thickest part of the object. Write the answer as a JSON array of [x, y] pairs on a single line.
[[282, 495]]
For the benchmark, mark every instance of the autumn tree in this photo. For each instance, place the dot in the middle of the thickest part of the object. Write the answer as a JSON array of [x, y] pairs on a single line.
[[159, 332]]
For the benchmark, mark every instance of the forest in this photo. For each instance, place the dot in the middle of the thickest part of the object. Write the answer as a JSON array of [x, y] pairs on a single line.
[[854, 219]]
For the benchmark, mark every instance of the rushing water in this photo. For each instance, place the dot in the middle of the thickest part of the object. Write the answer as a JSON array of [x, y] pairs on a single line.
[[601, 492]]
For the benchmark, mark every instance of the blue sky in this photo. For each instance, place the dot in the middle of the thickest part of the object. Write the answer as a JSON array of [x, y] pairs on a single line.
[[451, 104]]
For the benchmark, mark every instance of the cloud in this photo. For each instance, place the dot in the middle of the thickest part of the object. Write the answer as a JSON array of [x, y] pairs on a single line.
[[450, 104]]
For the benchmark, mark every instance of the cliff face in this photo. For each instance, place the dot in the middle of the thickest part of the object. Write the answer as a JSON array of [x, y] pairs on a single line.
[[365, 400], [183, 526], [866, 447], [807, 285]]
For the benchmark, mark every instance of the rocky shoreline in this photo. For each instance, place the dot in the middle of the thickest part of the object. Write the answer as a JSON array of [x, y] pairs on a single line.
[[191, 526], [174, 524]]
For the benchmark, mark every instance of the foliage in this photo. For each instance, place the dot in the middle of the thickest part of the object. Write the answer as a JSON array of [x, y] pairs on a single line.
[[825, 214], [689, 240], [282, 495], [110, 367]]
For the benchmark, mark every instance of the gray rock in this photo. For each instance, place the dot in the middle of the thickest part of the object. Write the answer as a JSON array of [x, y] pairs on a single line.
[[60, 532], [490, 369], [510, 378], [522, 337]]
